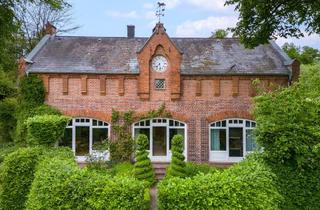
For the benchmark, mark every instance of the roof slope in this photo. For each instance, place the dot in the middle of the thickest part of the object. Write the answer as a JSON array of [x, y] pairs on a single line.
[[118, 55]]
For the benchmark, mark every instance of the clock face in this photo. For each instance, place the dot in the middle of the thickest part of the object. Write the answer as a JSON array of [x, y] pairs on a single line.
[[159, 63]]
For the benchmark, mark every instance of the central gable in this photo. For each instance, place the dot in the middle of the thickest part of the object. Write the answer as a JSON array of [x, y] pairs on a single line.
[[159, 44]]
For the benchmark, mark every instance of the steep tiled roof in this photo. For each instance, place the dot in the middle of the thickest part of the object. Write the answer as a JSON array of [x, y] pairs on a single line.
[[118, 55]]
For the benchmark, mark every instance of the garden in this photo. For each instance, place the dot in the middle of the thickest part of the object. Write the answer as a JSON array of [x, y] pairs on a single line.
[[37, 174]]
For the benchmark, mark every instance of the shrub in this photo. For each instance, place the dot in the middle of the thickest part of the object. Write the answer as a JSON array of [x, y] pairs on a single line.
[[16, 177], [289, 123], [124, 169], [7, 119], [5, 150], [61, 184], [17, 173], [193, 169], [248, 185], [143, 169], [177, 165], [46, 129], [32, 91]]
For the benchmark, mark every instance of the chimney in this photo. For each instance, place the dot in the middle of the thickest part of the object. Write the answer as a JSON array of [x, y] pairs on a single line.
[[50, 29], [130, 31]]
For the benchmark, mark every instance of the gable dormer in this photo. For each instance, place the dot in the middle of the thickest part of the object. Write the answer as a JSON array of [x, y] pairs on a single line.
[[159, 56]]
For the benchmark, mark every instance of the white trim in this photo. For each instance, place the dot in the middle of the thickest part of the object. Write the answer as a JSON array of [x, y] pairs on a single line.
[[164, 122], [88, 122], [224, 155]]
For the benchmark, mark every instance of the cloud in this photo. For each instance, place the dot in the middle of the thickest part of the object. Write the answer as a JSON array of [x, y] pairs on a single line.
[[308, 40], [214, 5], [206, 26], [118, 14], [149, 6], [171, 4]]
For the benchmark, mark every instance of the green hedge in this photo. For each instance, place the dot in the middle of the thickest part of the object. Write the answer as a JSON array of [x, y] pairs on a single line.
[[193, 169], [248, 185], [17, 173], [7, 119], [177, 167], [5, 150], [46, 129], [61, 184]]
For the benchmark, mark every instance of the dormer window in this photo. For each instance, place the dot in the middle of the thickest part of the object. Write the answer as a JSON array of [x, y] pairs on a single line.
[[160, 84]]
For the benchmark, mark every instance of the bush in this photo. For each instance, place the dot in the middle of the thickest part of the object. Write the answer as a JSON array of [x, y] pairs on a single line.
[[46, 129], [143, 169], [177, 165], [5, 150], [32, 91], [193, 169], [17, 173], [289, 123], [61, 184], [248, 185], [7, 119], [16, 177]]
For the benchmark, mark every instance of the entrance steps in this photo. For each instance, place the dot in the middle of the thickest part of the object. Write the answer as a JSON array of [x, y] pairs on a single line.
[[160, 169]]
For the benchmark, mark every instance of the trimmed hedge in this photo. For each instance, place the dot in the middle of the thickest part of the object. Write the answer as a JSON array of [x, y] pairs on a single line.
[[5, 150], [248, 185], [17, 173], [61, 184], [46, 129], [177, 167], [143, 169], [193, 169]]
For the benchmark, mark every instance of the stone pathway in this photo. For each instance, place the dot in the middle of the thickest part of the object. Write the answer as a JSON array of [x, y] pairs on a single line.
[[153, 194]]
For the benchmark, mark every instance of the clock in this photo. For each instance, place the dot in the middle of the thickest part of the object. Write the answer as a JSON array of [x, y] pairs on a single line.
[[159, 63]]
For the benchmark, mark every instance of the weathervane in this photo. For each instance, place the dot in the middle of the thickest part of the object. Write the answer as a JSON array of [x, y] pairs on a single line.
[[160, 10]]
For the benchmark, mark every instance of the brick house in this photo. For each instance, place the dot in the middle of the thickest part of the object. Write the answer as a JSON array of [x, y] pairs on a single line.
[[205, 84]]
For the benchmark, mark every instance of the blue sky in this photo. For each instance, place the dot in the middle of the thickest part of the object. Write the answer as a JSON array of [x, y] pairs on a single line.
[[183, 18]]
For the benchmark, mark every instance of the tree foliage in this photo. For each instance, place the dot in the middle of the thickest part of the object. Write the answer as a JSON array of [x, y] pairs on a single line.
[[306, 55], [219, 34], [260, 21], [288, 121]]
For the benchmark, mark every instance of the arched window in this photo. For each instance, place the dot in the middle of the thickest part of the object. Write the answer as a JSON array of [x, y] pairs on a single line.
[[160, 132], [82, 134], [231, 139]]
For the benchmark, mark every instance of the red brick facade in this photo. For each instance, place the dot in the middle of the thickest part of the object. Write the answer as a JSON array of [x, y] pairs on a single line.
[[194, 100]]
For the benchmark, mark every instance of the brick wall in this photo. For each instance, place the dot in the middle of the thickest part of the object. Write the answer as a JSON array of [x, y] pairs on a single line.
[[196, 110]]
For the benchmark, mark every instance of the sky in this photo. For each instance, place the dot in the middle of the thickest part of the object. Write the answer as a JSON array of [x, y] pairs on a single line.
[[183, 18]]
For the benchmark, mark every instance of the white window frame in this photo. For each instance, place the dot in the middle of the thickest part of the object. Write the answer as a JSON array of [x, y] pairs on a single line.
[[88, 122], [162, 122], [223, 155]]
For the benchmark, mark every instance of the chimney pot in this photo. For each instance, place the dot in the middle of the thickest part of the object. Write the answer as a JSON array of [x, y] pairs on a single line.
[[50, 29], [130, 31]]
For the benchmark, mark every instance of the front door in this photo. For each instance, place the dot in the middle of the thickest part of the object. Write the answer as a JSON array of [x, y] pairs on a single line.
[[82, 140], [159, 144], [235, 142]]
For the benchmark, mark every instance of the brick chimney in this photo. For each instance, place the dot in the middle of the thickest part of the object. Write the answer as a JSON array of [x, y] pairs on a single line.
[[50, 29], [130, 31]]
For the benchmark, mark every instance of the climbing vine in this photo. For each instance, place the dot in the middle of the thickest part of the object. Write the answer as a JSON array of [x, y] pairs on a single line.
[[123, 147]]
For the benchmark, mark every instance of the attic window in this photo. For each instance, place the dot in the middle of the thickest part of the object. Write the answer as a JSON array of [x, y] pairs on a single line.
[[160, 84]]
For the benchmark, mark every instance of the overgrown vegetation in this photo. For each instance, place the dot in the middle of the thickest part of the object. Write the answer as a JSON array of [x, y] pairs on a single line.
[[193, 169], [248, 185], [177, 167], [143, 169]]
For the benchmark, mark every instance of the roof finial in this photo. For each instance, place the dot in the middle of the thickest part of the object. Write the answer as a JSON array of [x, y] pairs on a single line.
[[160, 10]]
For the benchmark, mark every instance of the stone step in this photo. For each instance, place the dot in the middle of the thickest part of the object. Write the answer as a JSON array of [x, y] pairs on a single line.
[[160, 169]]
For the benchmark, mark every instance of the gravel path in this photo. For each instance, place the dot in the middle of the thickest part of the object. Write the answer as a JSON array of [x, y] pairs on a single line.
[[153, 193]]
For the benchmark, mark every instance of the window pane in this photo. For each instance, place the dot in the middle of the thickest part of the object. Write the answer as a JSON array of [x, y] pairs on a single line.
[[145, 131], [173, 132], [67, 139], [82, 140], [218, 139], [250, 140], [99, 136]]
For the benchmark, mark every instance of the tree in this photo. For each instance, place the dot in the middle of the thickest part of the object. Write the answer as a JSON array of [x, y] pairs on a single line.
[[33, 17], [260, 21], [306, 55], [219, 34]]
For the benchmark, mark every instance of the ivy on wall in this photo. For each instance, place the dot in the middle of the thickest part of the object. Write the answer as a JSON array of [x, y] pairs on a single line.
[[122, 148]]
